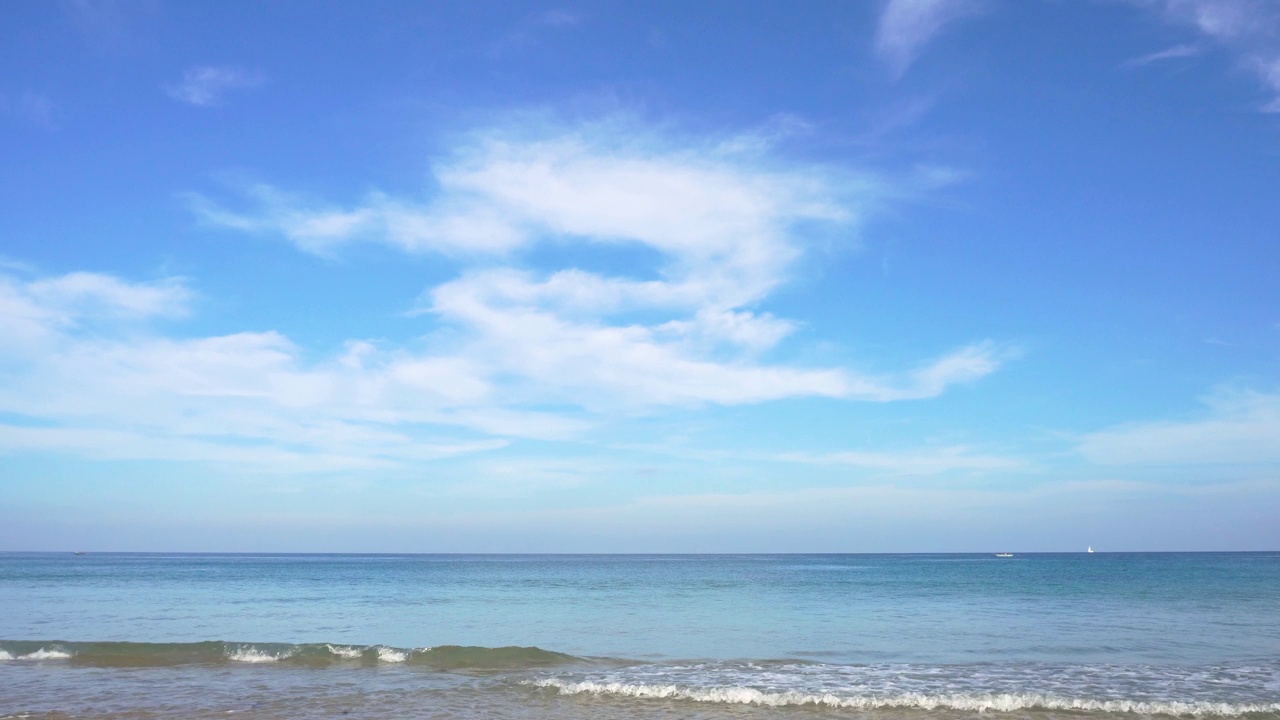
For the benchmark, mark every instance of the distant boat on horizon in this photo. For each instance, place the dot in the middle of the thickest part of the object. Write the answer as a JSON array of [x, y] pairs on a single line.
[[1011, 554], [1090, 549]]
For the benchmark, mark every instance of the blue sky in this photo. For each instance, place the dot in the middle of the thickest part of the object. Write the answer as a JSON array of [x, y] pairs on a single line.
[[917, 275]]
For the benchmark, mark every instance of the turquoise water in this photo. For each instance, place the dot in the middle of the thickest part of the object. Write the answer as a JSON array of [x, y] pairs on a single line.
[[126, 635]]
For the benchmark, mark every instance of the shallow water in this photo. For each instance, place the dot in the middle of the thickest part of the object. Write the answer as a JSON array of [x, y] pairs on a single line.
[[640, 636]]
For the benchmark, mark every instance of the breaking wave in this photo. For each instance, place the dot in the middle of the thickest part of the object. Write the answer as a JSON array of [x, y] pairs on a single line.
[[1249, 688], [389, 654], [43, 653], [131, 654], [252, 654], [349, 652], [1001, 702]]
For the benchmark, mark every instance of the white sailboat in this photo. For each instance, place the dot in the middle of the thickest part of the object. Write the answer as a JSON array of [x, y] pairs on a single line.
[[1090, 549]]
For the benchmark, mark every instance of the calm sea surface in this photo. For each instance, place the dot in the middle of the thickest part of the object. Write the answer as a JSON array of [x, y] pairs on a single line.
[[776, 636]]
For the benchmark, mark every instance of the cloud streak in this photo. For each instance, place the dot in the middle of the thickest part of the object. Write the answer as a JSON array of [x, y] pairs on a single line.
[[30, 108], [1247, 29], [907, 26], [205, 85], [1173, 53], [932, 461], [1242, 427]]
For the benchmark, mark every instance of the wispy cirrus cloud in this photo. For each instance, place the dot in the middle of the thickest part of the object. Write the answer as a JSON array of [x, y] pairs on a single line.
[[559, 17], [205, 85], [1240, 427], [533, 31], [1171, 53], [907, 26], [870, 517], [1269, 70], [29, 108], [12, 265], [1247, 29], [108, 25], [928, 461], [1226, 20]]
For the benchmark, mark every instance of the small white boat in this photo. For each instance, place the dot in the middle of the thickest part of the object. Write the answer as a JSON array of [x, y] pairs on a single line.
[[1004, 554], [1090, 549]]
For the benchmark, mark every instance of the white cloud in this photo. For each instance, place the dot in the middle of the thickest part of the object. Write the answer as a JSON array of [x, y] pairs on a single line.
[[83, 293], [80, 357], [9, 264], [1221, 19], [881, 517], [931, 461], [108, 444], [1171, 53], [552, 336], [29, 108], [719, 225], [1269, 70], [906, 26], [204, 86], [559, 17], [108, 24], [1248, 29], [515, 477], [720, 218], [32, 109], [533, 31], [965, 365], [36, 310], [1241, 428], [604, 366]]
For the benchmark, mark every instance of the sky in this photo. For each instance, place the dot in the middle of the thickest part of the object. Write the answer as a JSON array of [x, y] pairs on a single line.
[[879, 276]]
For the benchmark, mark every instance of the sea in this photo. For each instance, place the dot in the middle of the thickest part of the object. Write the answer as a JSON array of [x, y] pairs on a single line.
[[599, 637]]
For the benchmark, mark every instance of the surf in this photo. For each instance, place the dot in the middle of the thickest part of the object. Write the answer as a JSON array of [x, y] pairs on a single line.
[[983, 702], [142, 654]]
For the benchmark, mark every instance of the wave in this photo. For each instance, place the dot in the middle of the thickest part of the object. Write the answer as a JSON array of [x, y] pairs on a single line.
[[252, 654], [1224, 690], [41, 654], [389, 654], [997, 702], [348, 652], [134, 654]]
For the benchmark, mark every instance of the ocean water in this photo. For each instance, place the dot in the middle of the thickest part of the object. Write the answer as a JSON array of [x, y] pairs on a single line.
[[599, 637]]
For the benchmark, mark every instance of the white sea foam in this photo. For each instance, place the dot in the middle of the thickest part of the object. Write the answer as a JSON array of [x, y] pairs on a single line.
[[345, 651], [5, 655], [997, 702], [45, 654], [254, 655], [388, 654]]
